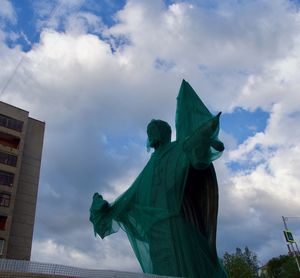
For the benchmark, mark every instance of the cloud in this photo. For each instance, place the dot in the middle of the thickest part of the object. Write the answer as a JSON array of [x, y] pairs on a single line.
[[98, 86], [226, 41], [107, 255], [268, 185], [7, 12], [84, 22]]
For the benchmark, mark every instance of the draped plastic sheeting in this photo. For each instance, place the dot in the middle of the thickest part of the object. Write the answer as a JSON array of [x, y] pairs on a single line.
[[170, 211]]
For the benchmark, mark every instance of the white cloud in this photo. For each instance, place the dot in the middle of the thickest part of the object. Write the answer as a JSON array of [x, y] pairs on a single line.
[[268, 185], [55, 13], [7, 11], [225, 43], [84, 22], [107, 255]]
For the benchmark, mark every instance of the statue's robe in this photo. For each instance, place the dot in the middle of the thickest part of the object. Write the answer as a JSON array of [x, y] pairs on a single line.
[[169, 213]]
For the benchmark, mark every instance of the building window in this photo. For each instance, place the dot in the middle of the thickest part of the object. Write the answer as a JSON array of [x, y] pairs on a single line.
[[6, 178], [4, 199], [2, 222], [8, 159], [2, 242], [11, 123]]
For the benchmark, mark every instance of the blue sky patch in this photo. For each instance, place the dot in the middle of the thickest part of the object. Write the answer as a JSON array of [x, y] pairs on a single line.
[[117, 42], [164, 65], [242, 124], [27, 14]]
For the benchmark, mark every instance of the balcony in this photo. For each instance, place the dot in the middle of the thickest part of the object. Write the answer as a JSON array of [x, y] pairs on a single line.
[[4, 199], [11, 123], [9, 143], [8, 159], [6, 178]]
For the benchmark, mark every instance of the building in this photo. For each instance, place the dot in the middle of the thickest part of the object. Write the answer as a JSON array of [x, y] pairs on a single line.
[[21, 143]]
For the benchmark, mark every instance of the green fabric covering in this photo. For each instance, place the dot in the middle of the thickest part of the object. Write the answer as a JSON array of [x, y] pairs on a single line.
[[169, 213]]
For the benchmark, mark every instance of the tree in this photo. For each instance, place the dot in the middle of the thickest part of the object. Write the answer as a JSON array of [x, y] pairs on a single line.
[[241, 264], [282, 267]]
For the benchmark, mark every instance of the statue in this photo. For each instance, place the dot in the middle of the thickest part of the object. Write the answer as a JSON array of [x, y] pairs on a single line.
[[169, 213]]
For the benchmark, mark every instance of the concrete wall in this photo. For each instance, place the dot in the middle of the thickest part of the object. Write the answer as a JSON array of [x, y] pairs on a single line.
[[21, 115], [21, 211], [20, 239]]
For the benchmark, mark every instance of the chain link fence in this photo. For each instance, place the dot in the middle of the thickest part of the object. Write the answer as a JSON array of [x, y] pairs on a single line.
[[27, 269]]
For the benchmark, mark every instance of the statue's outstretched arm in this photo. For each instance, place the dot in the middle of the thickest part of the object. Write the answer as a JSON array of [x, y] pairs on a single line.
[[101, 217], [203, 146]]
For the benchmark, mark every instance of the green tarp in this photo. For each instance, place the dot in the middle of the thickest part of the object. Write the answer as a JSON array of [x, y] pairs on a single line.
[[169, 213]]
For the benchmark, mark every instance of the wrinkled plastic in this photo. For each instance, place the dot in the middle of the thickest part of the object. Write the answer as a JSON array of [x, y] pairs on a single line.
[[169, 213]]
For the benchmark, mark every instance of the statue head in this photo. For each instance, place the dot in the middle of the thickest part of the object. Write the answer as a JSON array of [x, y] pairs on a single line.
[[159, 133]]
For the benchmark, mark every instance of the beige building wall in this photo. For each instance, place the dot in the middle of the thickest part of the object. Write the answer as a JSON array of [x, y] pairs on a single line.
[[26, 144]]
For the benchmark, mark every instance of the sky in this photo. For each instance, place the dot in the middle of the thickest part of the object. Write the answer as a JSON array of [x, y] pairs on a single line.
[[98, 71]]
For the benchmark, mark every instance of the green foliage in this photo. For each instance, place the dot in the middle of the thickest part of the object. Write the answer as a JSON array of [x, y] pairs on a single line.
[[241, 264], [282, 267]]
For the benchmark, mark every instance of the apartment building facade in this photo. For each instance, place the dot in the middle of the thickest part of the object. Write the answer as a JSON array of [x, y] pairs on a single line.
[[21, 143]]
